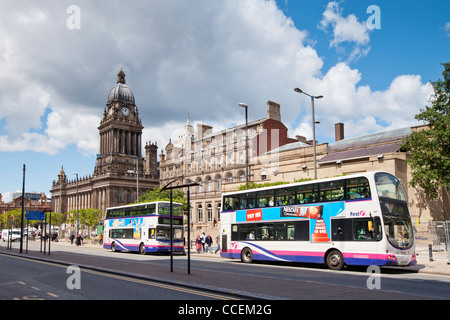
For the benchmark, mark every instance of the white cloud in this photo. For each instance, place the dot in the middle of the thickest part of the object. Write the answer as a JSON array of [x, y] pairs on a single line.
[[447, 29], [179, 57], [346, 30], [363, 110]]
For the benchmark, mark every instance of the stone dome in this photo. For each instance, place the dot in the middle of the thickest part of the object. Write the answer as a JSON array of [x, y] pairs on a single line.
[[121, 92]]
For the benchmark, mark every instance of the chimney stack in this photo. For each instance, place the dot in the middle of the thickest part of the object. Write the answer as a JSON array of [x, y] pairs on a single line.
[[273, 111], [339, 131]]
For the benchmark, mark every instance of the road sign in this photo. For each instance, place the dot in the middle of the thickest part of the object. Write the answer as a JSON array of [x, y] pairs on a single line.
[[35, 215]]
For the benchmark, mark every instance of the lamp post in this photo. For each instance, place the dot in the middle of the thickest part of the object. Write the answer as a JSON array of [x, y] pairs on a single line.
[[314, 126], [243, 105], [78, 216]]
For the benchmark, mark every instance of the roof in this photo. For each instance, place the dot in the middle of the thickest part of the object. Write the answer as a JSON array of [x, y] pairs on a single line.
[[370, 139], [289, 146], [121, 92], [359, 153]]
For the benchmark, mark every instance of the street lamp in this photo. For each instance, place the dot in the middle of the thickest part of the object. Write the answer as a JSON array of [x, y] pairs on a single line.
[[314, 126], [78, 216], [243, 105]]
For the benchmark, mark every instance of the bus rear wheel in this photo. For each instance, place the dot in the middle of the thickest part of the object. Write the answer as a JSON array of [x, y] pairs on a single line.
[[335, 260], [113, 247], [247, 255], [142, 249]]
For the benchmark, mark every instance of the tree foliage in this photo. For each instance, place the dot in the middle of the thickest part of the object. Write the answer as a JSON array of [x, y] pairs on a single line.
[[89, 217], [430, 149], [158, 195]]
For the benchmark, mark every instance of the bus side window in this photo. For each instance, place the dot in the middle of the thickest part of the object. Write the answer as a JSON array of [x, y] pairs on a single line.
[[151, 233], [358, 188]]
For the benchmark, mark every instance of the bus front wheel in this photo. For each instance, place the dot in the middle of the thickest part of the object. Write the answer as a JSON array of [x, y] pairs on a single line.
[[247, 255], [113, 247], [335, 260]]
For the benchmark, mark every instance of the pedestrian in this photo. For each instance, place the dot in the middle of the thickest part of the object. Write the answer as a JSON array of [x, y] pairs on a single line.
[[198, 243], [203, 238], [71, 238], [218, 243], [208, 242], [78, 239], [100, 238]]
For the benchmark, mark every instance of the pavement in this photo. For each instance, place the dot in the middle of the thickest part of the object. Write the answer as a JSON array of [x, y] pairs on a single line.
[[92, 257]]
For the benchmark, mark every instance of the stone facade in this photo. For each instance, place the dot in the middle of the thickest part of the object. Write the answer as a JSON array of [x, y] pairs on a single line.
[[216, 160], [114, 181]]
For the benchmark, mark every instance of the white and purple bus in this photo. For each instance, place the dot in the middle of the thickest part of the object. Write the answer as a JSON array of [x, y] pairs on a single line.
[[360, 219], [143, 227]]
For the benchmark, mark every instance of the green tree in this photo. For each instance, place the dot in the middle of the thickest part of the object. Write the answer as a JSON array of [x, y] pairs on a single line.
[[430, 148], [158, 195], [88, 217]]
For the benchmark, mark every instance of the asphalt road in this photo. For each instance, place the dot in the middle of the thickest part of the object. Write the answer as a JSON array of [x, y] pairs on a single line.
[[267, 281], [24, 279]]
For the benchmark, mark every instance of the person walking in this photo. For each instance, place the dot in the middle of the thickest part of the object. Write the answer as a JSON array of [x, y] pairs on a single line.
[[208, 242], [198, 243], [203, 238], [218, 243]]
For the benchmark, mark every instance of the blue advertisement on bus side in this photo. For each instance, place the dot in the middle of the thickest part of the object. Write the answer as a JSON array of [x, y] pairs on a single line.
[[318, 215], [130, 222]]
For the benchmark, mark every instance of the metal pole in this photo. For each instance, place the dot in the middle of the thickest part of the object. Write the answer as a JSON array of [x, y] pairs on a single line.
[[246, 146], [78, 214], [171, 231], [430, 251], [50, 233], [45, 232], [40, 250], [23, 210], [314, 137], [189, 229]]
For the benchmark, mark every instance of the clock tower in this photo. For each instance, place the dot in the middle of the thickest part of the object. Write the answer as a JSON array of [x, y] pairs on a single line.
[[121, 172], [120, 131]]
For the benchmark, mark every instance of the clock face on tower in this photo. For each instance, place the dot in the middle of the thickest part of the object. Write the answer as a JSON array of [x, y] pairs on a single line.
[[125, 111]]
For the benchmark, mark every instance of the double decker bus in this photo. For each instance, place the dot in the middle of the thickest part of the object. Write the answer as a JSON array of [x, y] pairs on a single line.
[[144, 227], [360, 219]]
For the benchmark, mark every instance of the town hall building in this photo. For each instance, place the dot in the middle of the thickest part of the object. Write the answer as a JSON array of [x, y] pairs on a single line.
[[114, 181]]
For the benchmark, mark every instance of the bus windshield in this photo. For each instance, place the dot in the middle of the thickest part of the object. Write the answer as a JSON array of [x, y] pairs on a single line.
[[389, 186], [397, 222]]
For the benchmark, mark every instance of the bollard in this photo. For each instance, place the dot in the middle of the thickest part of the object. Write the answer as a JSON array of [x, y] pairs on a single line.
[[430, 250]]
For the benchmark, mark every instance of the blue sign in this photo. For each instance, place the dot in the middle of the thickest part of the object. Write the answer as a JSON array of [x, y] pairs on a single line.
[[35, 215]]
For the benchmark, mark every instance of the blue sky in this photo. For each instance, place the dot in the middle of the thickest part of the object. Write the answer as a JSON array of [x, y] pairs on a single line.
[[204, 57]]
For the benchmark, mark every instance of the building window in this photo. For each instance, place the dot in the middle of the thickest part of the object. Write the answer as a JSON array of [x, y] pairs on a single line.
[[242, 176], [229, 178], [200, 213], [219, 183], [209, 184], [210, 213]]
